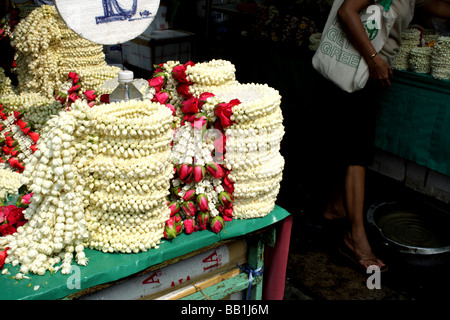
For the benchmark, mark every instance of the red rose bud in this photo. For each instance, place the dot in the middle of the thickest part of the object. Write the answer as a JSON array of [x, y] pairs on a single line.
[[203, 220], [188, 208], [177, 219], [104, 98], [183, 90], [73, 97], [157, 83], [174, 208], [199, 173], [175, 191], [61, 97], [161, 97], [172, 108], [6, 150], [178, 228], [75, 77], [3, 115], [215, 170], [73, 89], [227, 213], [15, 152], [184, 171], [18, 115], [34, 136], [190, 106], [189, 195], [33, 148], [226, 199], [3, 255], [170, 230], [179, 73], [227, 184], [90, 94], [216, 224], [189, 225], [202, 202]]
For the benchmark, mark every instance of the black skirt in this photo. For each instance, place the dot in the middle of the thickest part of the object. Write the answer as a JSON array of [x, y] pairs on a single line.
[[345, 124]]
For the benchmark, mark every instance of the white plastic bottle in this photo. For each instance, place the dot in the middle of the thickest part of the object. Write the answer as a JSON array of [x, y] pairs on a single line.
[[126, 90]]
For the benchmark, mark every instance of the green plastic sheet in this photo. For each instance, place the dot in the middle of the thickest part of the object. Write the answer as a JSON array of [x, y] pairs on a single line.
[[413, 121], [108, 267]]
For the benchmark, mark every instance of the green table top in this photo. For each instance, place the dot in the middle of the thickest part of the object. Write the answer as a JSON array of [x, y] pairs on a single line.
[[107, 267]]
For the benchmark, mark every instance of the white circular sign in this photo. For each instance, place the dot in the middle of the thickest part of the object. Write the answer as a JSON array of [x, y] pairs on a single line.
[[108, 21]]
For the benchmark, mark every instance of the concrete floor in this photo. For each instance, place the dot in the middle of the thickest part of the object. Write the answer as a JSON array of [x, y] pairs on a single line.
[[317, 271]]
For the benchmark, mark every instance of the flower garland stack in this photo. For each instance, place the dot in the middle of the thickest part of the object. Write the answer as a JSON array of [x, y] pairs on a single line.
[[226, 149], [99, 178], [47, 50]]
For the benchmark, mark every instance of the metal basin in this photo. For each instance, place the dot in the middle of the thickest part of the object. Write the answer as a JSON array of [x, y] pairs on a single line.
[[415, 234]]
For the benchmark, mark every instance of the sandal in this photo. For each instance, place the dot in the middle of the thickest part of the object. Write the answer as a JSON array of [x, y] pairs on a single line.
[[355, 259]]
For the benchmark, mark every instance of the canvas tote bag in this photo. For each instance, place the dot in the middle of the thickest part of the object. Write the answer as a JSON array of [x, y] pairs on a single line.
[[336, 58]]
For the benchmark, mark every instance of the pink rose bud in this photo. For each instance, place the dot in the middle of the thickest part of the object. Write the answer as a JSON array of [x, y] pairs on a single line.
[[199, 173], [73, 89], [215, 170], [189, 195], [184, 171], [216, 224], [170, 231], [188, 208], [157, 83], [175, 191], [189, 225], [202, 202], [177, 219], [178, 228], [174, 208], [171, 107], [90, 94], [203, 220], [26, 198], [3, 255], [226, 199]]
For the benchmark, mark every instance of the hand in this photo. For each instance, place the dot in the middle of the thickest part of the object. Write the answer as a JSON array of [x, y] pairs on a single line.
[[380, 70]]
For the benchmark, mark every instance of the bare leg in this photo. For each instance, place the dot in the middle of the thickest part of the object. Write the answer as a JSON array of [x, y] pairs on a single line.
[[336, 207], [356, 238]]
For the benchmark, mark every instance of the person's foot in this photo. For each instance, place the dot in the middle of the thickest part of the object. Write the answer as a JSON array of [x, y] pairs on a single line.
[[362, 251]]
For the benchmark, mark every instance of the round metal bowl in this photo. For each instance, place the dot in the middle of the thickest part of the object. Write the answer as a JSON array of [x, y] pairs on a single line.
[[415, 234]]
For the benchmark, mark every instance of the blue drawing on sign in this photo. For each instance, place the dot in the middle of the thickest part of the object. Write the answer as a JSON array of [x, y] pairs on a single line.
[[114, 12]]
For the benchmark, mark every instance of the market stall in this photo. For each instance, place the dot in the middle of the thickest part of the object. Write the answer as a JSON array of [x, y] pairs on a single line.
[[102, 187], [106, 269]]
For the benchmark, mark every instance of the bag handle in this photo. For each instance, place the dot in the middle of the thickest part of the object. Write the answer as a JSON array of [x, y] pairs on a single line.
[[386, 4]]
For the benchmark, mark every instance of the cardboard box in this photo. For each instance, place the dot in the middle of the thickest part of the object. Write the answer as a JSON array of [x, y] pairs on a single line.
[[196, 269], [163, 45]]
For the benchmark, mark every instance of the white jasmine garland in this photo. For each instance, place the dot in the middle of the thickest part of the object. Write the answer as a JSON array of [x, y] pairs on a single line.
[[82, 197]]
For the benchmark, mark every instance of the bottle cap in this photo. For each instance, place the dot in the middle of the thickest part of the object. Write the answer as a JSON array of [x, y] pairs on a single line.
[[126, 76]]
